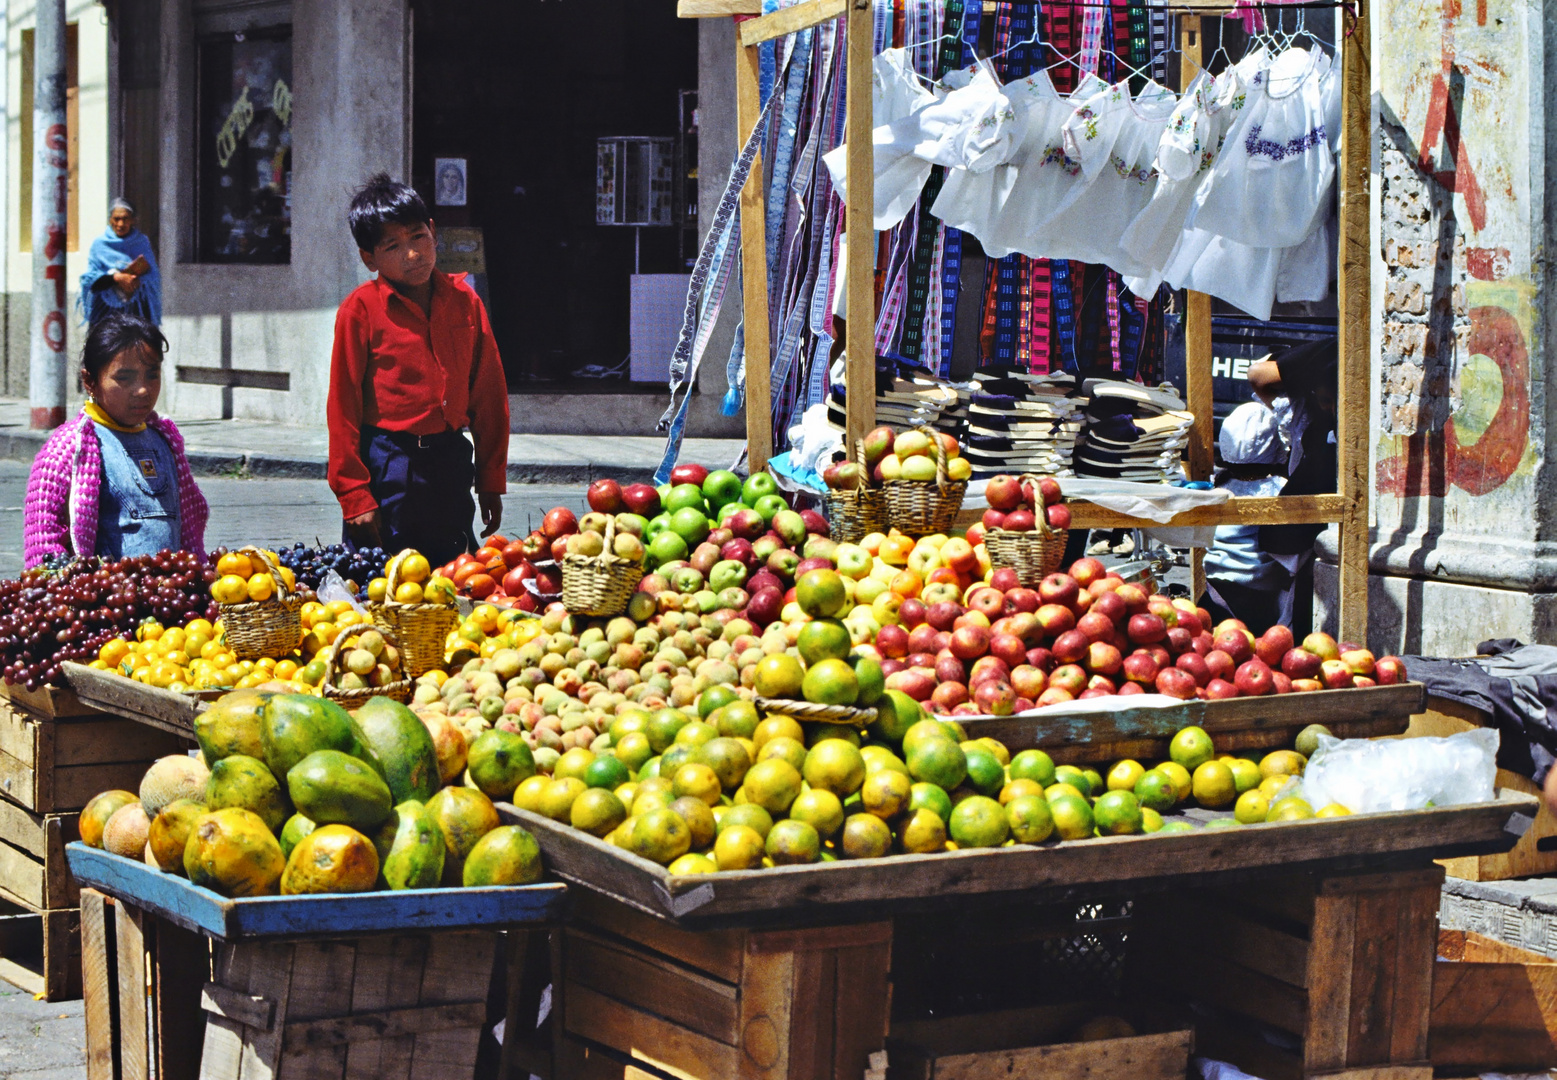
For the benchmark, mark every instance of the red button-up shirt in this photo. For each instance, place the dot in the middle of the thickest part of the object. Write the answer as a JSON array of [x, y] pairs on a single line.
[[395, 368]]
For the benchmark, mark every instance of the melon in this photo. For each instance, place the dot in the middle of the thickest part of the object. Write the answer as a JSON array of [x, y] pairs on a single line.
[[177, 776], [126, 832]]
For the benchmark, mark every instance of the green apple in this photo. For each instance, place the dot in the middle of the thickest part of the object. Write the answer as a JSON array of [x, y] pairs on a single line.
[[852, 561], [726, 573], [722, 487], [789, 525], [690, 524], [664, 490], [757, 485], [657, 524], [683, 496], [666, 547], [729, 508], [769, 505], [867, 589], [707, 603], [686, 580]]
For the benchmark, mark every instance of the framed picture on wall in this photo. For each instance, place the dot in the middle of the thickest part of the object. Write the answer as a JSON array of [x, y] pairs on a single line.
[[449, 181]]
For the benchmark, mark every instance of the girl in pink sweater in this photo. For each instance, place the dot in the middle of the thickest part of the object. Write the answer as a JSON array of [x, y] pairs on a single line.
[[114, 481]]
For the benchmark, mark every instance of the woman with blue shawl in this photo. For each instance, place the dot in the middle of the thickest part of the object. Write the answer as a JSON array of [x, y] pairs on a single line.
[[121, 272]]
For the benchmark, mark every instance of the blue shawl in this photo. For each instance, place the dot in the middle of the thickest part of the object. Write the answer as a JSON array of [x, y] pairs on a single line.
[[108, 255]]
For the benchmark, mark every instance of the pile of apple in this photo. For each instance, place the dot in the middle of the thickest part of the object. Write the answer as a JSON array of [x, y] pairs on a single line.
[[1004, 649], [891, 456], [1013, 506]]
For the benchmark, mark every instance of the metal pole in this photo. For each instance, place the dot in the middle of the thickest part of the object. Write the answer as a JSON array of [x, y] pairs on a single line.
[[50, 177]]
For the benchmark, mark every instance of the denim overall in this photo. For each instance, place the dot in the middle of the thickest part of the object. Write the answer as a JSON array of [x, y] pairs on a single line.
[[137, 506]]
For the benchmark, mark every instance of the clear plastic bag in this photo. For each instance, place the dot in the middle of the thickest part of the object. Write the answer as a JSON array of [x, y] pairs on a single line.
[[333, 588], [1372, 775]]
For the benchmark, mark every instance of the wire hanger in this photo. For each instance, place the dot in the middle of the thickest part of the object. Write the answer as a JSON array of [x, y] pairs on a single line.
[[957, 34]]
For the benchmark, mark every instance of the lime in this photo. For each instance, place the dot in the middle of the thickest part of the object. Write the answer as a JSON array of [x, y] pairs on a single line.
[[823, 639], [715, 697], [1292, 808], [1072, 817], [1117, 813], [931, 797], [1155, 790], [739, 847], [822, 810], [737, 719], [1033, 765], [836, 766], [979, 821], [865, 836], [606, 771], [1191, 747], [1182, 782], [780, 675], [1070, 774], [1151, 821], [886, 793], [1308, 739], [830, 682], [1246, 774], [1213, 785], [1251, 807], [985, 773], [923, 832], [793, 842], [1030, 818], [1124, 775], [938, 761], [1334, 809]]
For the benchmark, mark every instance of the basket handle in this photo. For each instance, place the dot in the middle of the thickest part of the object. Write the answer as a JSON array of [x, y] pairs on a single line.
[[272, 567], [942, 478], [1040, 515], [328, 678], [392, 572]]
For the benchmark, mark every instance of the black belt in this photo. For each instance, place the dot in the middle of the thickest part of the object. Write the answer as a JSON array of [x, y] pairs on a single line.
[[408, 441]]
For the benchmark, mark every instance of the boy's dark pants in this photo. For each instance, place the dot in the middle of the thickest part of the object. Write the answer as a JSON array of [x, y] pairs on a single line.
[[423, 488]]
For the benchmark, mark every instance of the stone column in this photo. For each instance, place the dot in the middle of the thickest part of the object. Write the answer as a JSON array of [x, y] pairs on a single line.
[[50, 165]]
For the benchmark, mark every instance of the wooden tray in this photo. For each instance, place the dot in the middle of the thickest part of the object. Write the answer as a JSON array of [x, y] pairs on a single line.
[[50, 702], [1235, 723], [331, 914], [1363, 840], [150, 705]]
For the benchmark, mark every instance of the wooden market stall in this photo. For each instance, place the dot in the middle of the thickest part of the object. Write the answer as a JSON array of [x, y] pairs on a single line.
[[1348, 507]]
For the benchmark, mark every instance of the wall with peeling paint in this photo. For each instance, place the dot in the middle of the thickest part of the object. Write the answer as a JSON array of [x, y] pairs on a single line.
[[1462, 303]]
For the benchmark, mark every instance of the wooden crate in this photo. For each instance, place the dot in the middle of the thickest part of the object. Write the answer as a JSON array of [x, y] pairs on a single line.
[[50, 702], [167, 710], [639, 997], [1163, 1056], [49, 766], [1300, 977], [40, 952], [1237, 724], [33, 868], [1494, 1006]]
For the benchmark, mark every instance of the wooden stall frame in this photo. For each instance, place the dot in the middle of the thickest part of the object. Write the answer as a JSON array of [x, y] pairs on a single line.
[[1349, 508]]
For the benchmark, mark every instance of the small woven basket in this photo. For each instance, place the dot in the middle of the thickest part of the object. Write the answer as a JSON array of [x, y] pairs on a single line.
[[399, 690], [419, 629], [261, 628], [1035, 554], [812, 712], [853, 515], [599, 585], [925, 507]]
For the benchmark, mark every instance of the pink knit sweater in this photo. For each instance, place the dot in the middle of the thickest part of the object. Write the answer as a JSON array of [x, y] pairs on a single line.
[[62, 491]]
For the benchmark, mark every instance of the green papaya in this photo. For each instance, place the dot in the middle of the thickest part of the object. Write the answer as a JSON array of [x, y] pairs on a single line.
[[295, 725], [403, 746], [231, 725], [293, 831], [410, 848], [499, 762], [243, 781], [333, 788]]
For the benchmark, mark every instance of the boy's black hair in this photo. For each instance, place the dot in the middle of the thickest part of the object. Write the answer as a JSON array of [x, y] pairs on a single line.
[[377, 203], [115, 333]]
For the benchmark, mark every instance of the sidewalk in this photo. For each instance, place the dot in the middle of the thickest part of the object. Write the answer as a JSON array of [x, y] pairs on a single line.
[[253, 448]]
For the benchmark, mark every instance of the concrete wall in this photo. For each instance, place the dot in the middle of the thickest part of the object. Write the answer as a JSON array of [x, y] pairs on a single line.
[[1463, 514], [351, 85]]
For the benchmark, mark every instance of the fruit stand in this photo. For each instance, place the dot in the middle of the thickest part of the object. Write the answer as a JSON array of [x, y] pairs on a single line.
[[386, 984]]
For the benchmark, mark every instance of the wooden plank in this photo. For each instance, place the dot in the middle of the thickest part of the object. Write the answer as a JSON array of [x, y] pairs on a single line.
[[129, 931], [382, 1024], [388, 976], [47, 702], [173, 713], [247, 1009], [1332, 941], [1238, 510], [709, 9], [1342, 884], [1143, 1057], [267, 972], [99, 985], [527, 1044], [657, 1042], [61, 789], [458, 970], [222, 1051], [1344, 841], [1197, 367], [1416, 946], [1494, 1016], [1003, 1029], [1379, 1072], [714, 952], [1478, 948], [790, 20], [1356, 299], [814, 939], [861, 1006], [19, 737], [675, 992], [1220, 931], [768, 1001], [180, 967], [813, 1014], [1374, 976], [195, 908], [1224, 982], [95, 742], [859, 219], [754, 267], [322, 975], [43, 835]]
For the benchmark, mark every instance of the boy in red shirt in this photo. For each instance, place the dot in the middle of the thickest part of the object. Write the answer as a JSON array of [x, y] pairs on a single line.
[[414, 363]]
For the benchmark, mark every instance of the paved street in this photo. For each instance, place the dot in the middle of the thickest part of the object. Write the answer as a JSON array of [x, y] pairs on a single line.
[[39, 1040]]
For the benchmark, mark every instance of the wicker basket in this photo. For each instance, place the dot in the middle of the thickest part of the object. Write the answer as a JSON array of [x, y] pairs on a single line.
[[599, 585], [852, 515], [1034, 554], [926, 507], [399, 690], [261, 628], [811, 712], [419, 629]]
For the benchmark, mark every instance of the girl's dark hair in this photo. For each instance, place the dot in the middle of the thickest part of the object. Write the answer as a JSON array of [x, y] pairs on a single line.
[[381, 201], [115, 333]]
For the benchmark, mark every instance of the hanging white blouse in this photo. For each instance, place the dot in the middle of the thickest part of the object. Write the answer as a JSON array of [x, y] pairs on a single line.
[[1046, 179], [969, 128], [897, 93], [1270, 182]]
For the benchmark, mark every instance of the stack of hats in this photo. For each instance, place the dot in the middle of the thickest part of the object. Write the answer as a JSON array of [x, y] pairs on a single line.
[[1018, 422], [909, 402], [1132, 432]]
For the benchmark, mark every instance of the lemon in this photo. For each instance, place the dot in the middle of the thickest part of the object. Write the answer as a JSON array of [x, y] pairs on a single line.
[[1252, 806], [414, 569], [440, 590], [1191, 747], [1124, 775], [1213, 785], [1179, 775], [409, 592], [376, 589], [1333, 810], [230, 589]]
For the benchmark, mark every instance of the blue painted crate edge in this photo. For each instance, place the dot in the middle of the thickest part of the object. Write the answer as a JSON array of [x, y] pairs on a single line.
[[295, 916]]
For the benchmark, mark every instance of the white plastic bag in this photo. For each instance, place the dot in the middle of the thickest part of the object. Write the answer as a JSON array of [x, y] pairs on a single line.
[[333, 587], [1371, 775]]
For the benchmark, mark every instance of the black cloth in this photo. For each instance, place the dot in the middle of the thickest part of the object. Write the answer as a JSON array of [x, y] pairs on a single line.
[[1308, 373], [1516, 684], [423, 488]]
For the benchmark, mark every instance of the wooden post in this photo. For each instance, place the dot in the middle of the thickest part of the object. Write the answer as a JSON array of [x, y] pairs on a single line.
[[182, 965], [1197, 330], [860, 270], [1355, 289], [130, 939], [99, 984], [754, 267]]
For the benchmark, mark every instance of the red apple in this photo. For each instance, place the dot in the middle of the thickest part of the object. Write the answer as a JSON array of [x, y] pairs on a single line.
[[1103, 659], [1253, 678], [1059, 589], [1070, 647], [878, 444], [1334, 674], [1087, 570], [1361, 681], [892, 642], [1229, 624], [605, 497], [988, 667], [1300, 664], [559, 521], [1112, 606], [1021, 599], [1134, 597], [943, 614], [948, 695], [1100, 684], [1146, 629], [993, 519], [925, 660], [1283, 684], [970, 643], [1175, 682], [1306, 686], [1058, 516], [971, 618], [1028, 681], [1041, 658], [1274, 644], [1220, 689], [767, 603], [1096, 692], [688, 473], [1389, 670], [1049, 490], [1322, 645], [1179, 641], [1004, 579], [1236, 644], [1055, 620], [641, 499], [814, 522], [1130, 688], [1196, 666], [922, 639], [1054, 696], [990, 602], [916, 684], [995, 698], [1220, 664], [1360, 661], [559, 548], [1003, 493], [912, 612], [1020, 520], [1009, 648], [1096, 627], [1203, 643], [1141, 668], [951, 669]]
